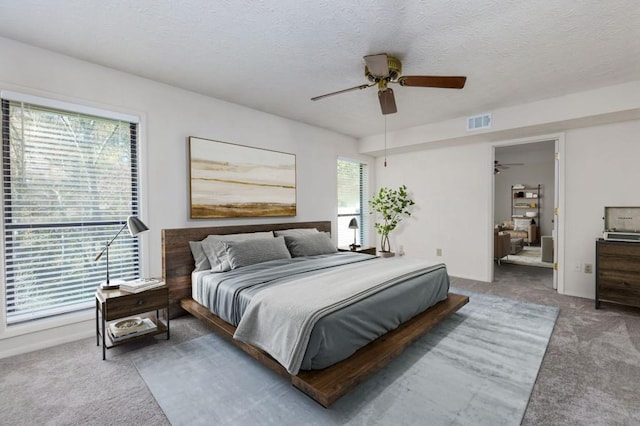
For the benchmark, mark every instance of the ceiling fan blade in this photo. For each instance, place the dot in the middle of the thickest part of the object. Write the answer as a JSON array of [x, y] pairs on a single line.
[[445, 82], [362, 86], [387, 101], [377, 64]]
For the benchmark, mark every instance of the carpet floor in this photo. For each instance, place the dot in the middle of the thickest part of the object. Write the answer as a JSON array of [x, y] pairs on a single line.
[[589, 375], [476, 367]]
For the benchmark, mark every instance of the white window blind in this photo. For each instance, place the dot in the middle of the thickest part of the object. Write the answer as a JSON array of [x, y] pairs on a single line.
[[353, 184], [69, 182]]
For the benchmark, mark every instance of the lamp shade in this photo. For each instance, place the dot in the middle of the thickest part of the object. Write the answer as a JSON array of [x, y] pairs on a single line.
[[353, 224], [136, 226]]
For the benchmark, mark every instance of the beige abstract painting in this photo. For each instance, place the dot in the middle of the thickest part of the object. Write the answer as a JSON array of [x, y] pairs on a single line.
[[229, 180]]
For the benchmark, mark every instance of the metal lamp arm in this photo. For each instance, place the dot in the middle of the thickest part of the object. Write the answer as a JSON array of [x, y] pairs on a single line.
[[106, 247]]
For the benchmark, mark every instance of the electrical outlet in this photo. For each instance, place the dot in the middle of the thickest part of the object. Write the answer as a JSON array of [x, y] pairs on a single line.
[[578, 267], [588, 268], [439, 252]]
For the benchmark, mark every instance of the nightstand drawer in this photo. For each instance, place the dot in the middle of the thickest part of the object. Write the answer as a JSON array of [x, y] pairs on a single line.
[[134, 303]]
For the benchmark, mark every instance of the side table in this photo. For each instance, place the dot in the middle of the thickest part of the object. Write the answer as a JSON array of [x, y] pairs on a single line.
[[365, 250], [115, 304]]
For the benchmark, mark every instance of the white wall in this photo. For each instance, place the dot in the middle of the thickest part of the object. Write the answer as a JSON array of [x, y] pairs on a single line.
[[577, 110], [601, 170], [169, 116], [581, 117], [452, 190]]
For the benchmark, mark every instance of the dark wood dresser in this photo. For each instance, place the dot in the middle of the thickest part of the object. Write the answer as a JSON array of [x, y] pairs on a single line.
[[617, 272]]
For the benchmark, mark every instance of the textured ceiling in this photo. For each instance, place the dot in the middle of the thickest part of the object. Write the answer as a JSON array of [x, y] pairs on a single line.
[[275, 55]]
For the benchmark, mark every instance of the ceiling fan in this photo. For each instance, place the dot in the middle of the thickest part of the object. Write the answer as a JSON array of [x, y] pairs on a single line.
[[382, 69], [498, 167]]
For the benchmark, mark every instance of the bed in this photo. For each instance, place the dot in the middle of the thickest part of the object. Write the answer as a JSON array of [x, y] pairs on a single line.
[[323, 369]]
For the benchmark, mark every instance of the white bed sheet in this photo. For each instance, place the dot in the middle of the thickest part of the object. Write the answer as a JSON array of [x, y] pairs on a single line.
[[196, 282]]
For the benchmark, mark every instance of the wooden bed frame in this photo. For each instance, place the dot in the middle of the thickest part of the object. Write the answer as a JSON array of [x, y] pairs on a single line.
[[324, 386]]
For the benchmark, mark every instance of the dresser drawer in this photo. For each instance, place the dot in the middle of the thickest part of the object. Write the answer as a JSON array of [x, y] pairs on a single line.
[[136, 303], [619, 292], [619, 277], [621, 263], [619, 248]]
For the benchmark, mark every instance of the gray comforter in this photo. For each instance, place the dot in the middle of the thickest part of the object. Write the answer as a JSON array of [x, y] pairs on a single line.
[[340, 332]]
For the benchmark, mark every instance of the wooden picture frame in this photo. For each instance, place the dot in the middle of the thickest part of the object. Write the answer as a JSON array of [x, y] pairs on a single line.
[[228, 180]]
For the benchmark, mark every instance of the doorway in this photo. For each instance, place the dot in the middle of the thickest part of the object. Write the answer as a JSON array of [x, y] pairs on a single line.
[[526, 194]]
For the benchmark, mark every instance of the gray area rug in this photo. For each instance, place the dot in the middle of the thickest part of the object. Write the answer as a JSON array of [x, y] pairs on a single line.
[[477, 367]]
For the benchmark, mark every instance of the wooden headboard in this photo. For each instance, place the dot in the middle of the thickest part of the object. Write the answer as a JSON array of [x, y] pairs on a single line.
[[178, 263]]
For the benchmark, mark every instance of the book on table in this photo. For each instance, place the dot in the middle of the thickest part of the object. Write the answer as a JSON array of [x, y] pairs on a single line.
[[130, 327], [141, 284]]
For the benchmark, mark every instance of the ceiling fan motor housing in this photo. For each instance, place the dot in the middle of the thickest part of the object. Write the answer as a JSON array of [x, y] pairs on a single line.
[[395, 70]]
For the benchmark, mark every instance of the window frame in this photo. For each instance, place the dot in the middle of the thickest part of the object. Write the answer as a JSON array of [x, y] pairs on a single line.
[[364, 225], [77, 317]]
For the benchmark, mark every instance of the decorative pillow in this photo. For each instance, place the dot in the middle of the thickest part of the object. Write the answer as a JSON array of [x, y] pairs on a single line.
[[200, 258], [215, 250], [521, 224], [295, 231], [248, 252], [310, 244]]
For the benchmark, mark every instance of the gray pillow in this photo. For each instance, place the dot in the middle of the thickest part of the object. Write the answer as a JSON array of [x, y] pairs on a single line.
[[248, 252], [295, 231], [201, 261], [215, 250], [310, 244]]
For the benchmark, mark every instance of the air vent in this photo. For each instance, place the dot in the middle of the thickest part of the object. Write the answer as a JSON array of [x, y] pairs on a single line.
[[477, 122]]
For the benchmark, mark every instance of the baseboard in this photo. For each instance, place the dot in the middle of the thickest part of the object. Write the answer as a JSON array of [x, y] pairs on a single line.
[[28, 343]]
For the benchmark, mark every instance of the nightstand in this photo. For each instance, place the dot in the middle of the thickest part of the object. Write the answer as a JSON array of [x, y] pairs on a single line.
[[115, 304], [365, 250]]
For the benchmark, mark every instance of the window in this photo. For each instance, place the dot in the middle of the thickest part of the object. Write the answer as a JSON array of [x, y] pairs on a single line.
[[353, 183], [70, 179]]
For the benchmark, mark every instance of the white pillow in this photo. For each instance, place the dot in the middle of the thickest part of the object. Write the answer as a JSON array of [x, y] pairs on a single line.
[[521, 224], [215, 251]]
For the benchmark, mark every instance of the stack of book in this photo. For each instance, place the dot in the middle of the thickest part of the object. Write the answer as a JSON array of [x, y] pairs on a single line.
[[140, 284], [130, 327]]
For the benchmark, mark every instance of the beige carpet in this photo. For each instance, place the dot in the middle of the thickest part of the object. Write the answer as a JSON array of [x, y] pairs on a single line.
[[529, 256], [589, 375]]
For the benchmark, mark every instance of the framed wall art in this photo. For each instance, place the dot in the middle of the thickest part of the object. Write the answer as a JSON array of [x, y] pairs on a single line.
[[229, 180]]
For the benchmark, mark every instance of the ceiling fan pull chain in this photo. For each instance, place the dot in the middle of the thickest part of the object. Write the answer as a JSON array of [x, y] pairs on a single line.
[[385, 140]]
